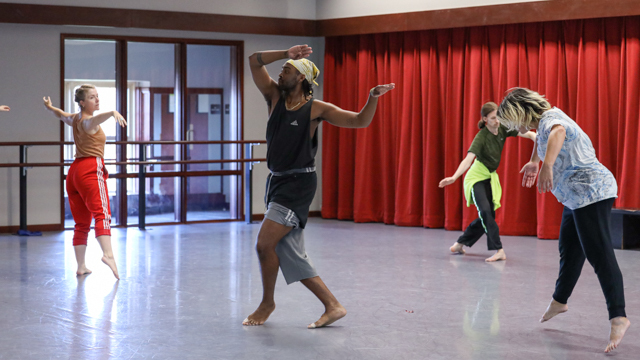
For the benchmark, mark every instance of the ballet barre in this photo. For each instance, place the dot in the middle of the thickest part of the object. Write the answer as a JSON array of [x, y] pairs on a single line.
[[248, 163]]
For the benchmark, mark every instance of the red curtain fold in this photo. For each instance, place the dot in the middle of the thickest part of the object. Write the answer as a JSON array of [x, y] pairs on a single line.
[[389, 172]]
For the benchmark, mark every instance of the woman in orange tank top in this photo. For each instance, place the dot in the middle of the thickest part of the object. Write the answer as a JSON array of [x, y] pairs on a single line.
[[86, 180]]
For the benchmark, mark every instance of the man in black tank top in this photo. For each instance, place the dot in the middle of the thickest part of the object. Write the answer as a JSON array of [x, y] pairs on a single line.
[[294, 117]]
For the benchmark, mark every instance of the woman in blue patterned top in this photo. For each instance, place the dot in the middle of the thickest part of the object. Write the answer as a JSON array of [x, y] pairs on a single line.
[[585, 187]]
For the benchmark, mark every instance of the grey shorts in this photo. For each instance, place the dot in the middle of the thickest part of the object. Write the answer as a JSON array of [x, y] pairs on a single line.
[[294, 261]]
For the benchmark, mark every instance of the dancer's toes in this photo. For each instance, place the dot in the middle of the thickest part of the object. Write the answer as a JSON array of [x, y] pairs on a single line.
[[457, 248], [82, 270], [499, 255], [111, 263], [329, 317], [553, 309], [619, 326], [259, 316]]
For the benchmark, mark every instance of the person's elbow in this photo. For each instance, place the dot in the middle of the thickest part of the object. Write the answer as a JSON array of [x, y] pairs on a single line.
[[361, 123]]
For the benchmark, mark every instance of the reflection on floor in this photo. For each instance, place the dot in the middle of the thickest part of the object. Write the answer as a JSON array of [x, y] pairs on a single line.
[[186, 289], [168, 217]]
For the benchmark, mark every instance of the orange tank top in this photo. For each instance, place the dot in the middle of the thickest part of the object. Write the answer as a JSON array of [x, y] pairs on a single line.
[[88, 145]]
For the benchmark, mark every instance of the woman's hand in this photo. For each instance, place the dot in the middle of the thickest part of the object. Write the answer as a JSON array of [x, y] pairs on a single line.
[[4, 108], [299, 51], [447, 181], [381, 89], [119, 119], [530, 171], [545, 179]]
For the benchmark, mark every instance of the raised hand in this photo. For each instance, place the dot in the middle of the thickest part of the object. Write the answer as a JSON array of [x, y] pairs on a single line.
[[120, 119], [299, 51], [47, 102], [4, 108], [446, 181], [530, 171], [381, 89]]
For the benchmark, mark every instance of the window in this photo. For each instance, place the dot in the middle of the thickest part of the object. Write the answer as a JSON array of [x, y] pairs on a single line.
[[168, 90]]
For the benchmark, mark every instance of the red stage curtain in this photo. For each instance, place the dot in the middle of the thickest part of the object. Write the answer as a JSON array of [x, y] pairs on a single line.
[[389, 172]]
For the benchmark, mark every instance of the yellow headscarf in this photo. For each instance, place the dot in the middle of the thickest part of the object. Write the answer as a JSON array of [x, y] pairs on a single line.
[[307, 68]]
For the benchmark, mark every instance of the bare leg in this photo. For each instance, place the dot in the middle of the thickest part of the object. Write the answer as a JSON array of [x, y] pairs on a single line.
[[457, 248], [107, 258], [333, 310], [619, 326], [553, 309], [80, 250], [268, 237], [499, 255]]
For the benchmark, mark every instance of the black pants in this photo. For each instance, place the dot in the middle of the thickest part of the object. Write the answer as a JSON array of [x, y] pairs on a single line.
[[585, 232], [486, 223]]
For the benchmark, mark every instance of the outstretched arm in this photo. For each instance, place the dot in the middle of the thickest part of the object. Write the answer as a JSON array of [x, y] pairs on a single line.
[[464, 166], [90, 125], [63, 116], [349, 119], [4, 108], [257, 61]]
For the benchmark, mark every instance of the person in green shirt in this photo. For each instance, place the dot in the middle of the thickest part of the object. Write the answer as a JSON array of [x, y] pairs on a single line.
[[481, 184]]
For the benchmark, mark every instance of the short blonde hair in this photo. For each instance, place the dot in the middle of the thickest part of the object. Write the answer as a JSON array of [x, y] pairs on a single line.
[[81, 93], [522, 107]]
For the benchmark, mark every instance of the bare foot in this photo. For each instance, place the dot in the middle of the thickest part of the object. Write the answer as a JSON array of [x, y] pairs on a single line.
[[619, 326], [329, 317], [457, 248], [111, 263], [499, 255], [554, 309], [259, 316], [82, 270]]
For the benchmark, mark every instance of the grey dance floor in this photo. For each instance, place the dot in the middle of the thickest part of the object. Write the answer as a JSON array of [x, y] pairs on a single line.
[[186, 289]]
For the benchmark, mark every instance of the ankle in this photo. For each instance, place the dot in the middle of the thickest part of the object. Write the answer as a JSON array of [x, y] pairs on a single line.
[[268, 303]]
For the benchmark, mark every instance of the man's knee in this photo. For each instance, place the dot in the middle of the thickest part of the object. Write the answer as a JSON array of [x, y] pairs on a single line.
[[264, 245]]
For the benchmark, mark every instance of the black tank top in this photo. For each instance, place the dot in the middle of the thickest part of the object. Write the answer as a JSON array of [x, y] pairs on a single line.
[[289, 145]]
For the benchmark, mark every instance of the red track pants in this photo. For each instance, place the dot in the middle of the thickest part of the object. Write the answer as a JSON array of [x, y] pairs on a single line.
[[88, 197]]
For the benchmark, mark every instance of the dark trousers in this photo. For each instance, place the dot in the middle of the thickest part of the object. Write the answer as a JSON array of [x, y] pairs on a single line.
[[585, 233], [486, 222]]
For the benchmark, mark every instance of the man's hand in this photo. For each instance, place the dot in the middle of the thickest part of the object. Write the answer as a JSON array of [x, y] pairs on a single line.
[[4, 108], [530, 171], [299, 51], [381, 90], [545, 180], [47, 102]]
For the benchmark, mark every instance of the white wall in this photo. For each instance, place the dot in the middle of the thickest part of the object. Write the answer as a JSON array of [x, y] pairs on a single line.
[[333, 9], [291, 9], [30, 59]]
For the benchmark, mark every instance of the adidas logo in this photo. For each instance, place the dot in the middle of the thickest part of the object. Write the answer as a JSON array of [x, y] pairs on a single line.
[[295, 123]]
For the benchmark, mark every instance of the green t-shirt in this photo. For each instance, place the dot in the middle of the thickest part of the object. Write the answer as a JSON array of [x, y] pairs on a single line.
[[488, 147]]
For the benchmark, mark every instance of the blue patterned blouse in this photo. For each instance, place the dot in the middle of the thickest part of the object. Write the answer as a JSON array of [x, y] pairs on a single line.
[[579, 179]]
